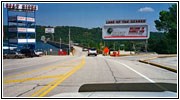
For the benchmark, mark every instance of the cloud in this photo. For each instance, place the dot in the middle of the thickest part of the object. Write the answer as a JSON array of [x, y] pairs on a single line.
[[146, 9]]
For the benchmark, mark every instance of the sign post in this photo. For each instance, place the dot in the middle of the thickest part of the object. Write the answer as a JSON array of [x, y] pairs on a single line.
[[60, 44], [50, 30], [69, 40]]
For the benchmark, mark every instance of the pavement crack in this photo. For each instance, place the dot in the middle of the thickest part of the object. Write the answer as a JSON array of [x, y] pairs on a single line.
[[111, 70], [28, 90]]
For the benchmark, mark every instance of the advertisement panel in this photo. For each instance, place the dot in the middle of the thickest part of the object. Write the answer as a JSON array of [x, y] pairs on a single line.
[[125, 32], [20, 7], [20, 18], [49, 30], [22, 29], [30, 19], [26, 40], [31, 30]]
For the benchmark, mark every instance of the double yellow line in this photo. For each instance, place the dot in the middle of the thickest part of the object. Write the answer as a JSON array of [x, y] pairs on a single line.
[[60, 78], [57, 81], [35, 78], [49, 67]]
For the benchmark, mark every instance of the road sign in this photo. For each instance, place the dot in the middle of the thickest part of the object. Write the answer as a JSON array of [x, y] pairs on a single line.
[[100, 44], [106, 50], [49, 30]]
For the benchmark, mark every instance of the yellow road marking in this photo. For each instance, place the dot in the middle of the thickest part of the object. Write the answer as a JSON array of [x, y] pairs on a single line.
[[47, 91], [35, 78], [39, 69], [45, 87], [59, 80], [59, 67]]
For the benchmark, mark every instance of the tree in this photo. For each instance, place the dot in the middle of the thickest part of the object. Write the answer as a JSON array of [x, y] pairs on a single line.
[[167, 20], [167, 23]]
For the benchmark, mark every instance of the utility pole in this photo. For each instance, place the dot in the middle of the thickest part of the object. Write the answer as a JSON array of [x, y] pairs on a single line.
[[114, 46], [60, 44], [69, 40], [104, 43]]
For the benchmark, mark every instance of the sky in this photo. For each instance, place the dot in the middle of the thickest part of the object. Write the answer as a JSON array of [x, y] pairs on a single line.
[[92, 15]]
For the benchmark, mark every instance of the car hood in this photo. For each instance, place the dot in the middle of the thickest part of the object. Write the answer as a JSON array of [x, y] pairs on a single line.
[[124, 90], [118, 94]]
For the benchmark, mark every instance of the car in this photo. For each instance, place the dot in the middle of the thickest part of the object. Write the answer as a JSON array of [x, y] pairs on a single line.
[[84, 49], [39, 52], [92, 51], [13, 54], [29, 53]]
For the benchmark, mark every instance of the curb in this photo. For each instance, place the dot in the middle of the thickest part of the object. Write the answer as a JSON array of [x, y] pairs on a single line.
[[133, 54], [158, 65]]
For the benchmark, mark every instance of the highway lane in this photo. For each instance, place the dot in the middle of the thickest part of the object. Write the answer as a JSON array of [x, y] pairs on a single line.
[[50, 79]]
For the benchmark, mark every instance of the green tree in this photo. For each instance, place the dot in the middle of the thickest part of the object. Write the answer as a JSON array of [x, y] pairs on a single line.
[[167, 23]]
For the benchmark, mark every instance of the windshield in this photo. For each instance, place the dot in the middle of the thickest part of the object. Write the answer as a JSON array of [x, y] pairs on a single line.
[[93, 49]]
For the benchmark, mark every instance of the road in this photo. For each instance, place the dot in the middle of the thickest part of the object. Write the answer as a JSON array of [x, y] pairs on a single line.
[[50, 75]]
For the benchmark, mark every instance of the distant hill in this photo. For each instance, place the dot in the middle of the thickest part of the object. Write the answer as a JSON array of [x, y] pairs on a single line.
[[90, 37]]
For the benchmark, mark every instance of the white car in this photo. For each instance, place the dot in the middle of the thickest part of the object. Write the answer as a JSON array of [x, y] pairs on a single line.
[[38, 53], [92, 51]]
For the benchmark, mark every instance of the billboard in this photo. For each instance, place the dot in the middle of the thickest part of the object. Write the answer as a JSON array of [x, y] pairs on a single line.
[[20, 7], [125, 30], [49, 30]]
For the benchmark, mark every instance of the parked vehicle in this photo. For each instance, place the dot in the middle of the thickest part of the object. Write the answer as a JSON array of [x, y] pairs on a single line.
[[29, 53], [39, 52], [84, 49], [92, 51], [13, 54]]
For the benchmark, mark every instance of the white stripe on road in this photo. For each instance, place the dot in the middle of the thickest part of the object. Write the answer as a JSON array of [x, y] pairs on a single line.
[[135, 71]]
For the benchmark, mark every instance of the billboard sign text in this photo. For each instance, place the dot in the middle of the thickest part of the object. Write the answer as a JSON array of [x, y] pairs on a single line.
[[20, 7]]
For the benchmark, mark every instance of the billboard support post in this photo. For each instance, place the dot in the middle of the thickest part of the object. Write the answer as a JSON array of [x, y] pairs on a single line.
[[146, 43]]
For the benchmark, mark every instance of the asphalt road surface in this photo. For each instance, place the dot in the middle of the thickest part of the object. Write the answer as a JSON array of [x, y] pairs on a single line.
[[50, 75]]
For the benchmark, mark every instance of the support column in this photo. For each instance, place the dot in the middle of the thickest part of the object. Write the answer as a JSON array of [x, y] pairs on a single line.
[[146, 43]]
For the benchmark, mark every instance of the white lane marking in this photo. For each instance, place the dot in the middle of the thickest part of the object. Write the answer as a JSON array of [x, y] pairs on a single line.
[[134, 71]]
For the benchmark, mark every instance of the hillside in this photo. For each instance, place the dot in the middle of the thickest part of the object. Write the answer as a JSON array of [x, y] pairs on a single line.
[[92, 37]]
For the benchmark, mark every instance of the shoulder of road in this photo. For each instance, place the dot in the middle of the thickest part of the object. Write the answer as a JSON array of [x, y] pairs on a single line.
[[147, 61]]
